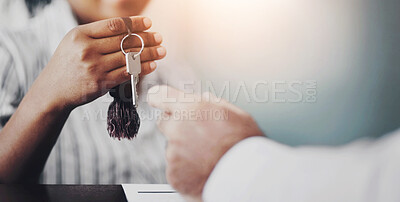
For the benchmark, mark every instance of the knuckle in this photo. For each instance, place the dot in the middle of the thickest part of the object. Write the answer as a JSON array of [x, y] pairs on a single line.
[[125, 75], [148, 38], [132, 50], [115, 25], [86, 53], [153, 53], [149, 54], [120, 37], [146, 69], [99, 82], [129, 50], [90, 67], [138, 22], [75, 34], [93, 85]]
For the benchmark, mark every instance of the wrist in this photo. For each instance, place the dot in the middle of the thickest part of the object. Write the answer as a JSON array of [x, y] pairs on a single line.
[[46, 103]]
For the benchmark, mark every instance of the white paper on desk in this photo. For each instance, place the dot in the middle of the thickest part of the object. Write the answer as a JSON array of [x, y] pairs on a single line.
[[151, 192]]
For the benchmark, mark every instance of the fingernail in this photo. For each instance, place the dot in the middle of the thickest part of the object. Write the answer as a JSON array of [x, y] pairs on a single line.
[[147, 22], [157, 38], [153, 65], [161, 51]]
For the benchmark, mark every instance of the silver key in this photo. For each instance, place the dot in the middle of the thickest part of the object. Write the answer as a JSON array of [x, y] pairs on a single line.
[[133, 67]]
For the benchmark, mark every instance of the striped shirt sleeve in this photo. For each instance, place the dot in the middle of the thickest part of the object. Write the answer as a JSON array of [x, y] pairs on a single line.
[[11, 92]]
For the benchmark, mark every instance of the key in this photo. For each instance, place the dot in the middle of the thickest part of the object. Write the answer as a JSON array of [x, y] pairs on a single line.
[[133, 67]]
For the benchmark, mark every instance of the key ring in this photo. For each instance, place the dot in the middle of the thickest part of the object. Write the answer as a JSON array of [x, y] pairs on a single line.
[[132, 34]]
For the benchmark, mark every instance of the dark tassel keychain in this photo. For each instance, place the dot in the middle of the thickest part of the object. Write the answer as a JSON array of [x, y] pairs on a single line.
[[123, 120]]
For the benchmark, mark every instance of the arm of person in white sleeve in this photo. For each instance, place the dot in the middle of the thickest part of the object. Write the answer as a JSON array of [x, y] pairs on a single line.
[[258, 169], [214, 158]]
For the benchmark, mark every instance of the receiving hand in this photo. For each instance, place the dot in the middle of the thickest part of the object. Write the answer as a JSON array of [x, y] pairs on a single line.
[[199, 130]]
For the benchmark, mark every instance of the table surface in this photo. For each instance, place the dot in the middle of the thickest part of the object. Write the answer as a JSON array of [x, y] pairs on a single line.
[[62, 193]]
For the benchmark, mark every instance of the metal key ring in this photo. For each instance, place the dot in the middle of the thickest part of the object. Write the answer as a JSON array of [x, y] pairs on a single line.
[[132, 34]]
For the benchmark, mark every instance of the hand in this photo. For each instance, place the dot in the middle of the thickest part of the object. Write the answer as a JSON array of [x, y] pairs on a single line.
[[88, 61], [199, 130]]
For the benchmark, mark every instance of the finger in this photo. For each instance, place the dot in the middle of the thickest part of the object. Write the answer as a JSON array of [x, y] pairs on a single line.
[[116, 77], [209, 97], [163, 97], [167, 126], [117, 59], [113, 44], [120, 74], [114, 27], [162, 124], [148, 67], [150, 53]]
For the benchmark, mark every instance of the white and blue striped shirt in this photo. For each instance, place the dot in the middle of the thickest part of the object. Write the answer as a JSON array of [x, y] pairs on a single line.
[[84, 152]]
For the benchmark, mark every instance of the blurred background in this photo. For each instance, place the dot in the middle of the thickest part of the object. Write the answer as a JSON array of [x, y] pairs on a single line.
[[350, 50]]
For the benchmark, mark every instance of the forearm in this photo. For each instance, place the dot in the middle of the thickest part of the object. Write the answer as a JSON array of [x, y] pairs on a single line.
[[28, 137]]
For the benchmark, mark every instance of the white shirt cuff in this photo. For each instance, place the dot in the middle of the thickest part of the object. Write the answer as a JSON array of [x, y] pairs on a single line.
[[234, 169]]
